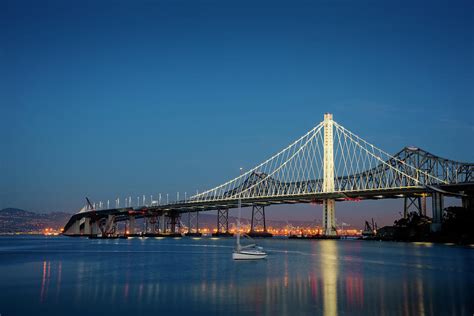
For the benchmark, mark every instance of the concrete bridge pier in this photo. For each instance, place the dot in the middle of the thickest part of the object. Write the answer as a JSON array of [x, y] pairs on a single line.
[[74, 230], [86, 226], [329, 220], [437, 201], [258, 225], [162, 223], [154, 224], [130, 230]]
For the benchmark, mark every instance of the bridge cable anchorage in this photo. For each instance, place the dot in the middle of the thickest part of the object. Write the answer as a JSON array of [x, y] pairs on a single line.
[[298, 170]]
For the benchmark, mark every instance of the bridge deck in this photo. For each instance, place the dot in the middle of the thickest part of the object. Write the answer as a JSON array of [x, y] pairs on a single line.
[[185, 207]]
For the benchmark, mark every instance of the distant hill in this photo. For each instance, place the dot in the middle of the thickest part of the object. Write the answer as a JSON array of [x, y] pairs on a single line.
[[14, 220]]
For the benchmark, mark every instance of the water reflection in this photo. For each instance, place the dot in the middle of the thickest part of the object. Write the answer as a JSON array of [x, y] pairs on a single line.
[[50, 272], [329, 275], [324, 281], [43, 280], [320, 277]]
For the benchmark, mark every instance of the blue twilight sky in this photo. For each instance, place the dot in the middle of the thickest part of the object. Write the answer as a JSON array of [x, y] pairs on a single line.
[[118, 98]]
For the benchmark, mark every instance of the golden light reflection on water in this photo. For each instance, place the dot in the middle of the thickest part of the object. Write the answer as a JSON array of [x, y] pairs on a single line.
[[419, 290], [50, 273], [43, 281], [329, 276], [426, 244]]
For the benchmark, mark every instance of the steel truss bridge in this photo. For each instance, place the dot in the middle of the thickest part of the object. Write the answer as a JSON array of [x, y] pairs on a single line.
[[327, 164]]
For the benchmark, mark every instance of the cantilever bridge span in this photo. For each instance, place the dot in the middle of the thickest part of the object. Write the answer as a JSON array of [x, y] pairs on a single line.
[[327, 164]]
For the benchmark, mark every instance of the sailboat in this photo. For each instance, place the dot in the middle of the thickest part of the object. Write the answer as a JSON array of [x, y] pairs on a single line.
[[247, 252]]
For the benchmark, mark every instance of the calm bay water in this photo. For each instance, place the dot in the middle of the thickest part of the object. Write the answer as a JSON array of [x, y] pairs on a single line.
[[76, 276]]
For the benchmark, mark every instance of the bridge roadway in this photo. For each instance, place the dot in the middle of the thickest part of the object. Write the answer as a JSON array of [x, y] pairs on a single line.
[[180, 207]]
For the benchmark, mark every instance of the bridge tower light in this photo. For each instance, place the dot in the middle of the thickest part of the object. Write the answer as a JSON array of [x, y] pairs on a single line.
[[329, 221]]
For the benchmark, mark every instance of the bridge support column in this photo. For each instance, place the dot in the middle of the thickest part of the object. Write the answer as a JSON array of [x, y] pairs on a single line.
[[110, 225], [162, 223], [468, 201], [131, 225], [222, 223], [95, 228], [174, 222], [423, 204], [437, 207], [329, 220], [258, 225], [74, 230], [152, 225], [86, 230], [193, 224], [412, 203]]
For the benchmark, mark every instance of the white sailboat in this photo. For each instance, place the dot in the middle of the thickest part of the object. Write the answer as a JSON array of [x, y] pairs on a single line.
[[247, 252]]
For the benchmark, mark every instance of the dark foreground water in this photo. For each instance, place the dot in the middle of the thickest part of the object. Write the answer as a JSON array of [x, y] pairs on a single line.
[[75, 276]]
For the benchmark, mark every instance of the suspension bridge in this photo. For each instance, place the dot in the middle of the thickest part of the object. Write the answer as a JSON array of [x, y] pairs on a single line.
[[327, 164]]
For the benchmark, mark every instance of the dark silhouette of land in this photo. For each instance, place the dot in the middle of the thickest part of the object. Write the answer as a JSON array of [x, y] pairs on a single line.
[[457, 227]]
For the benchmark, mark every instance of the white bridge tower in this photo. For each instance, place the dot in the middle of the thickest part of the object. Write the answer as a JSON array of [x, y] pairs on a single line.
[[329, 222]]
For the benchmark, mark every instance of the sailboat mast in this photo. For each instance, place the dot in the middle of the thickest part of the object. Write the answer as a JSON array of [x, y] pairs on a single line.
[[238, 225], [238, 218]]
